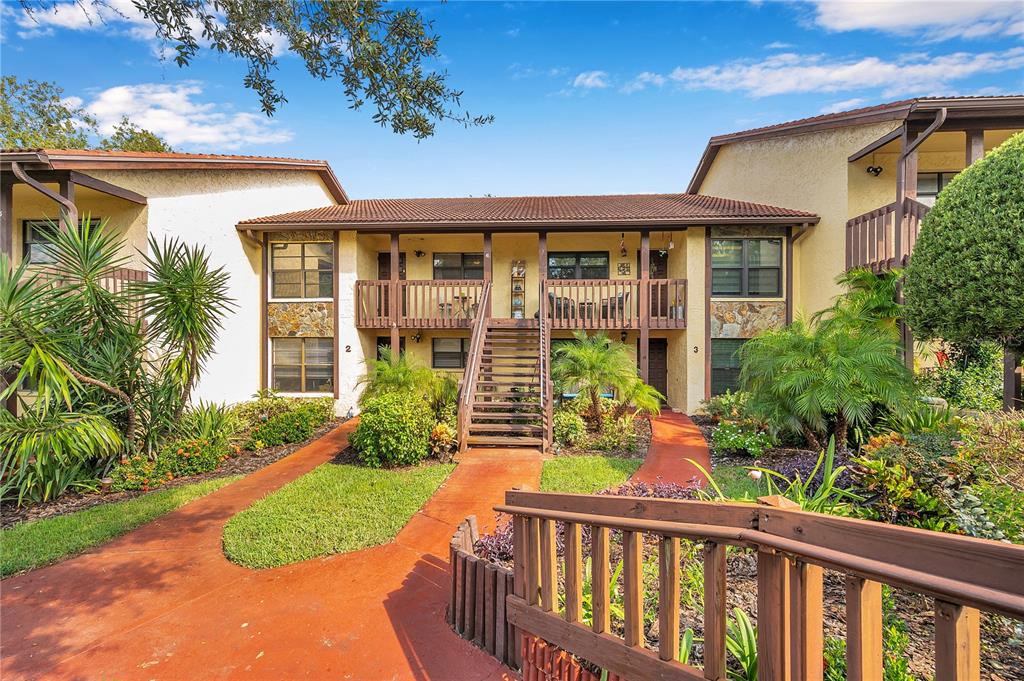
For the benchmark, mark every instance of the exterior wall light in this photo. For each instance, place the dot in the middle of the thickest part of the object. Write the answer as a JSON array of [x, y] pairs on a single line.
[[875, 170]]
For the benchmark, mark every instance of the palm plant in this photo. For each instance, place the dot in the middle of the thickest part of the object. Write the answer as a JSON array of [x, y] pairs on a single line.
[[394, 372], [591, 365], [643, 398], [809, 378], [870, 301]]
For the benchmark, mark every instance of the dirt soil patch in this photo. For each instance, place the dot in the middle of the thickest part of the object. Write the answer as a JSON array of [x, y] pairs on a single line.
[[642, 428], [240, 464]]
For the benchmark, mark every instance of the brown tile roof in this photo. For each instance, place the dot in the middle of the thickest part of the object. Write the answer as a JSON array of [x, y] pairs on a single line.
[[537, 210], [99, 159]]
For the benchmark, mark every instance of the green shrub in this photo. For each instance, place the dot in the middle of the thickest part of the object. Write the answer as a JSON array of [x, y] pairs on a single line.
[[730, 437], [177, 459], [267, 405], [394, 430], [569, 428], [972, 378], [965, 279], [616, 435], [296, 424], [443, 441], [728, 406], [209, 421]]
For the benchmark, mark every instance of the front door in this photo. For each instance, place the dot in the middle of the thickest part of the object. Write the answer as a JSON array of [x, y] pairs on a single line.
[[384, 274], [659, 270], [657, 363]]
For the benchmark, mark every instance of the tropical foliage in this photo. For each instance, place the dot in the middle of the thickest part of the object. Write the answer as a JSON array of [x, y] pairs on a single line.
[[969, 376], [102, 379]]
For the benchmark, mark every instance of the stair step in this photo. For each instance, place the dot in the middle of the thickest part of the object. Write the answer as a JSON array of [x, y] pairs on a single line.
[[507, 374], [503, 416], [511, 365], [503, 393], [480, 404], [509, 384], [503, 428], [500, 441]]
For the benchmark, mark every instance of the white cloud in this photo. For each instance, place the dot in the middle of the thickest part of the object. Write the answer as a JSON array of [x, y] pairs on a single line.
[[642, 80], [937, 20], [589, 80], [173, 112], [116, 16], [789, 73], [778, 45], [512, 33], [844, 105]]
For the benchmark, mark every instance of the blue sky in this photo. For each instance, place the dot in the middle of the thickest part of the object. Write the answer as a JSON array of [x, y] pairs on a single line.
[[588, 97]]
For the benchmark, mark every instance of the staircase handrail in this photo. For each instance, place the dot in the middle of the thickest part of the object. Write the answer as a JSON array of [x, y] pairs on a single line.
[[467, 388], [546, 391]]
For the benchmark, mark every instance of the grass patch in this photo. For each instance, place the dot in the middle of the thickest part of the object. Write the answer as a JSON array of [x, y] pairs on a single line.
[[586, 474], [41, 542], [334, 508], [736, 483]]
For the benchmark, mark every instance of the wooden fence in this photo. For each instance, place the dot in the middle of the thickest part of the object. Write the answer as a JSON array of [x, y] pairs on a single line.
[[961, 574]]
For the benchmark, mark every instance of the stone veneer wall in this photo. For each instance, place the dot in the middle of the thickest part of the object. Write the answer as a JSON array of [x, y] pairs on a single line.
[[302, 320], [745, 319]]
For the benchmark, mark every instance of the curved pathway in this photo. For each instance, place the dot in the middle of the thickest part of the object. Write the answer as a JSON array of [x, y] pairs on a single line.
[[162, 602], [674, 439]]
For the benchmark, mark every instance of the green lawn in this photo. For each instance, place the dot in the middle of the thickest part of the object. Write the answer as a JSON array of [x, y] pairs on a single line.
[[40, 542], [334, 508], [736, 484], [586, 474]]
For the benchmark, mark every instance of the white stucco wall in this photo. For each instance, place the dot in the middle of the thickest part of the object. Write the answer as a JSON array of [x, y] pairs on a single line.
[[203, 207]]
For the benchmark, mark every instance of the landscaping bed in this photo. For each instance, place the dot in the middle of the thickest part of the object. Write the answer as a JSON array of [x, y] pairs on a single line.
[[238, 464]]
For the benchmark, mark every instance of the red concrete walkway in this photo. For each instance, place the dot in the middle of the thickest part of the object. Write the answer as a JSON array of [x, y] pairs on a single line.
[[162, 602], [674, 439]]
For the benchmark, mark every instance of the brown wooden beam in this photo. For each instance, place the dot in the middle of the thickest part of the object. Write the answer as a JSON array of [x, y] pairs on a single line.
[[68, 206], [488, 266], [264, 324], [336, 295], [789, 275], [975, 146], [396, 310], [707, 313], [542, 275], [645, 305], [7, 217], [1012, 398]]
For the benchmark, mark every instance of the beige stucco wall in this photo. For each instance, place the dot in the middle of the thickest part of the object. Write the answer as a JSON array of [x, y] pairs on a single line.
[[203, 207], [806, 172]]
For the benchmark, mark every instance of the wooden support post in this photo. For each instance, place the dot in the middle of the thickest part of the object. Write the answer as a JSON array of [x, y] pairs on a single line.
[[715, 611], [668, 598], [633, 587], [957, 643], [600, 578], [533, 561], [264, 321], [901, 182], [7, 248], [863, 629], [394, 296], [542, 276], [488, 268], [573, 573], [975, 146], [548, 566], [1011, 381], [645, 304], [773, 617], [788, 264], [807, 640], [67, 190]]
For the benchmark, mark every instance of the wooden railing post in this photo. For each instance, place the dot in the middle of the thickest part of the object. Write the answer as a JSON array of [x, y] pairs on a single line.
[[600, 578], [573, 572], [773, 606], [633, 586], [957, 642], [668, 598], [715, 609], [863, 629], [807, 639]]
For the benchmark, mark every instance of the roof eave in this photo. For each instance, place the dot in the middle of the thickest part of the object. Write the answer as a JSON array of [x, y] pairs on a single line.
[[517, 225]]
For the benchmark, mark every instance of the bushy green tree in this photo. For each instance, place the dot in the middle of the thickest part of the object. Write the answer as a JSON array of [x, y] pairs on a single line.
[[591, 365], [381, 55], [129, 137], [965, 280]]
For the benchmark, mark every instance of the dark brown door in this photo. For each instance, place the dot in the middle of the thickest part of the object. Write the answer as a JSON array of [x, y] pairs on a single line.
[[659, 270], [384, 274], [657, 363]]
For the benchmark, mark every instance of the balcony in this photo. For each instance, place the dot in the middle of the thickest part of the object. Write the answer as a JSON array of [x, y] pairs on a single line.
[[873, 241], [571, 303]]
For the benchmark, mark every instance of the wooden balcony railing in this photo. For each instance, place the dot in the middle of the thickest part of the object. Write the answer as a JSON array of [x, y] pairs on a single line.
[[422, 304], [615, 303], [871, 238], [961, 574], [572, 303]]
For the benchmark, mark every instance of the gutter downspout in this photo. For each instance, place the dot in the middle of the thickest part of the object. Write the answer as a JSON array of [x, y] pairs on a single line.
[[70, 211]]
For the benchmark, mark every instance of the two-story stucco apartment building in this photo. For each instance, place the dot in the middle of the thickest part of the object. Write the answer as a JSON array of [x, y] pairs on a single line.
[[481, 285]]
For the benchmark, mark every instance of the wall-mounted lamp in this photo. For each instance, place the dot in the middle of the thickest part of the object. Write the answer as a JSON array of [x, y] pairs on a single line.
[[418, 254], [416, 336], [875, 170], [622, 336]]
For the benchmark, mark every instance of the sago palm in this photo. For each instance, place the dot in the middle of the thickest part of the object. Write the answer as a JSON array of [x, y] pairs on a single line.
[[806, 377], [591, 365], [394, 372]]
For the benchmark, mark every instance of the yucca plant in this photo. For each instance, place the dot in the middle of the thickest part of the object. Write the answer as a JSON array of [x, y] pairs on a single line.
[[820, 378], [741, 642], [591, 365]]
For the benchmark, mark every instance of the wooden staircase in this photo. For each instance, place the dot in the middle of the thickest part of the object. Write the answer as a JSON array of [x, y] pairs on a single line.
[[506, 409]]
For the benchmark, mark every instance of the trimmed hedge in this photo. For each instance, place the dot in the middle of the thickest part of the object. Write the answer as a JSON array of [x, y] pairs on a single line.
[[295, 425], [394, 430]]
